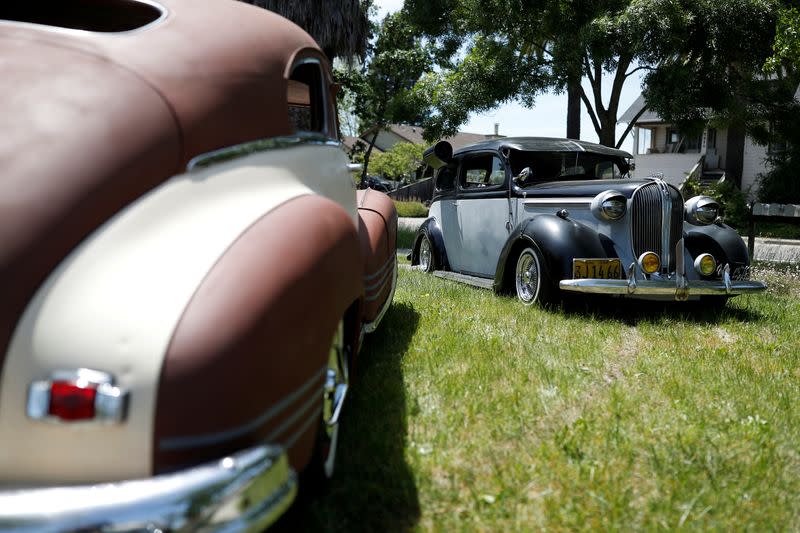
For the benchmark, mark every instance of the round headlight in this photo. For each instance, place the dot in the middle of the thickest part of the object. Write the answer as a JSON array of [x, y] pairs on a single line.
[[701, 210], [649, 262], [705, 264], [609, 205]]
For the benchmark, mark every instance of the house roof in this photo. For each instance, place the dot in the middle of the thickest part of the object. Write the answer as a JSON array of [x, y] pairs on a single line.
[[648, 117], [414, 134]]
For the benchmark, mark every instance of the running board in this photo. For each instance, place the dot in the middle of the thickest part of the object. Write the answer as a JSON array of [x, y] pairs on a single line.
[[475, 281]]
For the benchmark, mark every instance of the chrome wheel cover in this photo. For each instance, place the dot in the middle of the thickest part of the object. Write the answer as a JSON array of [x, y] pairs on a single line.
[[425, 254], [333, 394], [528, 279]]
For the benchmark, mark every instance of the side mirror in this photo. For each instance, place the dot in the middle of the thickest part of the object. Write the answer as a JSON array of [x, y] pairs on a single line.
[[439, 154], [523, 176]]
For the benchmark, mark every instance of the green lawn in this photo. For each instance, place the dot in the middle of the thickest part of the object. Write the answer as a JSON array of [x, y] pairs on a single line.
[[473, 412]]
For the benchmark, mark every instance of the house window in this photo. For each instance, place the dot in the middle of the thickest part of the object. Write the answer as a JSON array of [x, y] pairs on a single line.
[[677, 142], [776, 146], [307, 97], [645, 141]]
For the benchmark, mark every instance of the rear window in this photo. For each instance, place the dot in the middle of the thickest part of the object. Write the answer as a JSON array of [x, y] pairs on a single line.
[[89, 15]]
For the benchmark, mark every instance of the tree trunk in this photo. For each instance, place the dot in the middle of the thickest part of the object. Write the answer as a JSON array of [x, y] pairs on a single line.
[[366, 156], [574, 108], [734, 159]]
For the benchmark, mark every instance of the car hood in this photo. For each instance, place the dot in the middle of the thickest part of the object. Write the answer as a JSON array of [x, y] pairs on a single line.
[[583, 188]]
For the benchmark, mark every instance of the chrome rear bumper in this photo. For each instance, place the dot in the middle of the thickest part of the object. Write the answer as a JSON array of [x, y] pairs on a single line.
[[246, 491]]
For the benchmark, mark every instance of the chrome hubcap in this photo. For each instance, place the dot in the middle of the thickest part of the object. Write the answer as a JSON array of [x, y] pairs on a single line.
[[333, 394], [527, 277], [425, 253]]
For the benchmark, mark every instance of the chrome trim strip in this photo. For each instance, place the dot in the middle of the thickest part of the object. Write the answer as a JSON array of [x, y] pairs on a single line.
[[294, 417], [208, 439], [666, 219], [237, 151], [380, 271], [660, 287], [246, 491], [549, 202], [372, 326], [291, 441], [72, 31]]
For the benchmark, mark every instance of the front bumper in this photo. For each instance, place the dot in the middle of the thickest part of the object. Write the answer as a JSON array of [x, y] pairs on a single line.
[[680, 287], [661, 288], [246, 491]]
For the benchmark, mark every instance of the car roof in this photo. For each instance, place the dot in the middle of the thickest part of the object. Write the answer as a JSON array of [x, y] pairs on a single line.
[[543, 144]]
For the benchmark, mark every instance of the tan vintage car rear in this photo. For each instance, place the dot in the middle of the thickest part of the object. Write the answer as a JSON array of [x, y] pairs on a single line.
[[185, 265]]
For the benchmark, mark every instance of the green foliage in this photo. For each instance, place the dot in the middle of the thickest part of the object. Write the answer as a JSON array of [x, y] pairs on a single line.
[[786, 48], [380, 90], [399, 163], [411, 209], [713, 69], [732, 200]]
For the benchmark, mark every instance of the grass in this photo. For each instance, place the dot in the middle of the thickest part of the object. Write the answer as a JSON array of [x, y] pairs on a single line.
[[405, 237], [474, 413], [410, 209]]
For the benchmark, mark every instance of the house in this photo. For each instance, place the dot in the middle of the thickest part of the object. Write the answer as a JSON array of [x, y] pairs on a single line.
[[662, 150], [402, 133]]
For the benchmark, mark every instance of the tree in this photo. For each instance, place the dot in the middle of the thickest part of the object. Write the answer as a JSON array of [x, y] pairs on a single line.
[[340, 27], [715, 74], [400, 162], [516, 49], [382, 88]]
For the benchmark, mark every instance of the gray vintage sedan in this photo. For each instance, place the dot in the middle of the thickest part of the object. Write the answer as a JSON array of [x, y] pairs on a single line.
[[543, 217]]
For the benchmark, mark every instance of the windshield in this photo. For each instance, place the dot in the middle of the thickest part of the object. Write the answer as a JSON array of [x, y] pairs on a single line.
[[555, 166]]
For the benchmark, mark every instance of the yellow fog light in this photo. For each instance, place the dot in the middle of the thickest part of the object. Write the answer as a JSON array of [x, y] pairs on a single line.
[[705, 264], [649, 262]]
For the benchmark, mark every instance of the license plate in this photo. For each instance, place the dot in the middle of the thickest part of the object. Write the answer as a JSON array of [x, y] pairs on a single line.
[[596, 269]]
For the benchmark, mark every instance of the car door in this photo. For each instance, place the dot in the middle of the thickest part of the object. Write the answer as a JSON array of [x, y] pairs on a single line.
[[484, 212], [444, 210]]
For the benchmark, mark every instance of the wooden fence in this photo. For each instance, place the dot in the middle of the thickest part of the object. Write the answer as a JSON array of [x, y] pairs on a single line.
[[421, 191]]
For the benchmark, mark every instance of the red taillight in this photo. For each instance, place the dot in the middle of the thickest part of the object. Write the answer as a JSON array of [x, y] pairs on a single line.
[[70, 401]]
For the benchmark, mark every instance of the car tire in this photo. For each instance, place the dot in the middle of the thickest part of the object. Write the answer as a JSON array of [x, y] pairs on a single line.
[[427, 257], [531, 279], [323, 460]]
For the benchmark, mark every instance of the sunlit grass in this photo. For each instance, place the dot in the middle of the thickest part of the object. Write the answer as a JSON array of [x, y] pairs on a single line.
[[475, 413]]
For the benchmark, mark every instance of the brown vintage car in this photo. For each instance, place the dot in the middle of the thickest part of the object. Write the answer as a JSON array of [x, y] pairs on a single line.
[[186, 267]]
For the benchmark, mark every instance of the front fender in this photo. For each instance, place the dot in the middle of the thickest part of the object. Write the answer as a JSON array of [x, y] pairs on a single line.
[[431, 228], [560, 240], [721, 241]]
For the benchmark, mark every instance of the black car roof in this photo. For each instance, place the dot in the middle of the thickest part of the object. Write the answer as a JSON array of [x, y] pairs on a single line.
[[543, 144]]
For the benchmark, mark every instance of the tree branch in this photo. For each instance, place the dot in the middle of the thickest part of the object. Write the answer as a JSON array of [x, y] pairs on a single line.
[[627, 74], [630, 126], [590, 110]]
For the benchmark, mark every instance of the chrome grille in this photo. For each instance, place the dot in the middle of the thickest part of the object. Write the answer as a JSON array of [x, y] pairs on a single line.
[[647, 225]]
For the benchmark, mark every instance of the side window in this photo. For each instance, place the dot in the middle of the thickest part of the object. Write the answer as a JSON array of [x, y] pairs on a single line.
[[307, 97], [446, 178], [482, 171]]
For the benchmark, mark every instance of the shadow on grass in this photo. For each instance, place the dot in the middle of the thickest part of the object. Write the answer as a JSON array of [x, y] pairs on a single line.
[[633, 312], [373, 488]]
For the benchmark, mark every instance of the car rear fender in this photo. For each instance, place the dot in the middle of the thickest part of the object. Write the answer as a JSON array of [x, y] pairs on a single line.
[[559, 240], [247, 360], [377, 228], [430, 227]]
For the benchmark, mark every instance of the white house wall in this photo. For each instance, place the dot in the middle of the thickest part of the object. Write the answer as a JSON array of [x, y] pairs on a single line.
[[754, 165], [673, 167]]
